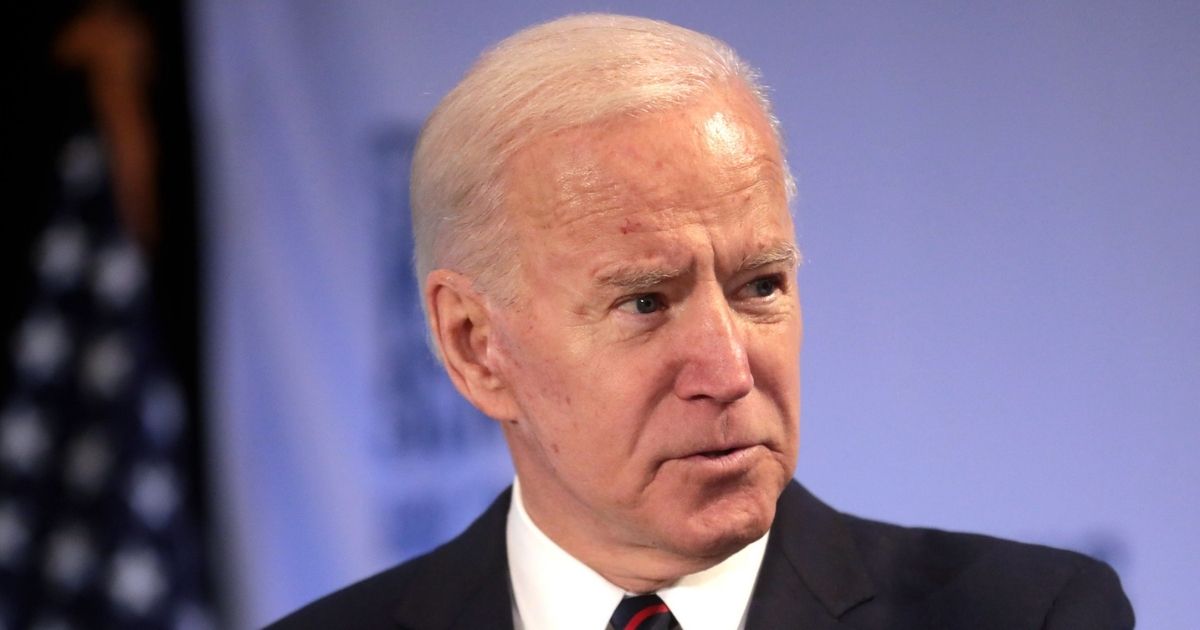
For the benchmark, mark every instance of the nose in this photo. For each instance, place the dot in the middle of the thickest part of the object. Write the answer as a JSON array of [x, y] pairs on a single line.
[[715, 365]]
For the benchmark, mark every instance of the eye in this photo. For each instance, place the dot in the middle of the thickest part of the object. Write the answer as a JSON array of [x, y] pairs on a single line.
[[763, 287], [644, 304]]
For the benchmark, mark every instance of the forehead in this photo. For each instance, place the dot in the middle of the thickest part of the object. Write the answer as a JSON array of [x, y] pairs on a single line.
[[711, 158]]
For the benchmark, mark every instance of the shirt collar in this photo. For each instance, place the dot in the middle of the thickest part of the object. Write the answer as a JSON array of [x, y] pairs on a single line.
[[551, 589], [718, 596]]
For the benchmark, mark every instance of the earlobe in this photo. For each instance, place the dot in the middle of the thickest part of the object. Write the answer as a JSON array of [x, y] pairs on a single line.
[[461, 325]]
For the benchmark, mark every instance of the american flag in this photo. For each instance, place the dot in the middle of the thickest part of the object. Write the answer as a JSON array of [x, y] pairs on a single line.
[[95, 526]]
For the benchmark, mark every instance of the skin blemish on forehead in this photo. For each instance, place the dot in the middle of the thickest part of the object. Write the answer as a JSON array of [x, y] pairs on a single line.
[[629, 225]]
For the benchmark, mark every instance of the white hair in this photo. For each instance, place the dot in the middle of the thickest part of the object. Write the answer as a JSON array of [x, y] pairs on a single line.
[[569, 72]]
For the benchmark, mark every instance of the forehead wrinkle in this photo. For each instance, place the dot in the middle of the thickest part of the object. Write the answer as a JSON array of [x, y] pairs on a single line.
[[633, 184], [579, 176], [580, 195], [572, 201], [651, 210], [658, 185]]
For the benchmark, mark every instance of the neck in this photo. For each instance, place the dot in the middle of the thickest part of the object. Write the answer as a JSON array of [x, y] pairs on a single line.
[[633, 568]]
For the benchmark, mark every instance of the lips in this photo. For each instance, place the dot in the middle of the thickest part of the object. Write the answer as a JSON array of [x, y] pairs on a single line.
[[721, 450], [725, 458]]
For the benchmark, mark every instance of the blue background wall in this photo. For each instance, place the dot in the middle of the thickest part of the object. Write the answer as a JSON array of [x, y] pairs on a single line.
[[1000, 211]]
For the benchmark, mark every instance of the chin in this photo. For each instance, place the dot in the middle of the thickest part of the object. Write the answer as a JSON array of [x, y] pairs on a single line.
[[726, 525]]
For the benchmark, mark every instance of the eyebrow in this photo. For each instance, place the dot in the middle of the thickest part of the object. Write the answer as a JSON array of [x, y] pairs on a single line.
[[635, 279], [782, 252]]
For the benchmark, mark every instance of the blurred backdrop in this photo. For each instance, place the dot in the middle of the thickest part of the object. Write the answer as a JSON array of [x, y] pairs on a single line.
[[999, 209], [103, 516]]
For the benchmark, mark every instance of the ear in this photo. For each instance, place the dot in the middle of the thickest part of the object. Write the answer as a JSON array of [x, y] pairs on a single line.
[[462, 331]]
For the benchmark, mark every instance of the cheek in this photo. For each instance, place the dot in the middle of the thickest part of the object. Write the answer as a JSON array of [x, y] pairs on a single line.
[[777, 370], [580, 398], [543, 387], [522, 353], [590, 416]]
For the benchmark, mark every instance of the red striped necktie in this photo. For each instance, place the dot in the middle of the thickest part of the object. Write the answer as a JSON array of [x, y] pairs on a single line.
[[642, 612]]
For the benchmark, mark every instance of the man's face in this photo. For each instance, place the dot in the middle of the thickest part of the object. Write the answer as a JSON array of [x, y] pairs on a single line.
[[653, 352]]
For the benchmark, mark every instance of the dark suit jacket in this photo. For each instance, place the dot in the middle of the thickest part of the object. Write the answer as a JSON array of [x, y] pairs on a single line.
[[822, 569]]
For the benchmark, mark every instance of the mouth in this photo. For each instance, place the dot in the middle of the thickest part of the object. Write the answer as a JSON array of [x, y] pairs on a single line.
[[726, 459]]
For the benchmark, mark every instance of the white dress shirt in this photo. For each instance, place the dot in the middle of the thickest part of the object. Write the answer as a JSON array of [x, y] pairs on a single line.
[[552, 590]]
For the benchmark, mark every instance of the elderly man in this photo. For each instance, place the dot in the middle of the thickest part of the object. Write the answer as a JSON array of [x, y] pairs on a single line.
[[609, 271]]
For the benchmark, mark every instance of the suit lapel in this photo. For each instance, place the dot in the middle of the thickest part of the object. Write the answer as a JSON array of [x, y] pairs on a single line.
[[465, 583], [811, 573]]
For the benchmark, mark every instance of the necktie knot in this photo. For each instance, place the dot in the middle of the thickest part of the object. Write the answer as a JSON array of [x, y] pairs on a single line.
[[642, 612]]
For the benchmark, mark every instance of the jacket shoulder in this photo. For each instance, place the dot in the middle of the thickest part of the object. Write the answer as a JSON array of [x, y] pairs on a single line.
[[957, 579], [369, 602], [426, 591]]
